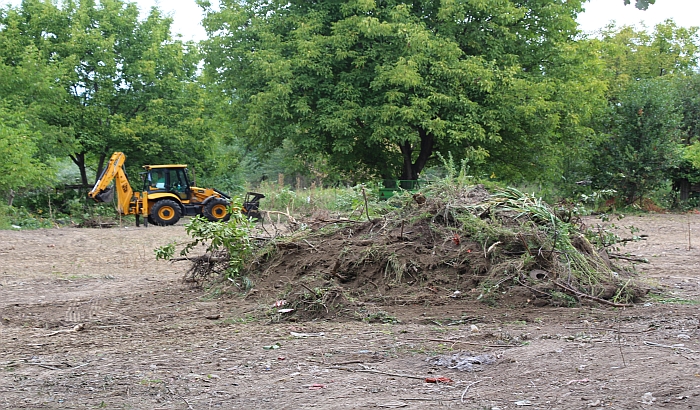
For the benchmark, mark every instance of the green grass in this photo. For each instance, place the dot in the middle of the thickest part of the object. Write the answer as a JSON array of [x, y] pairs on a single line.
[[672, 300]]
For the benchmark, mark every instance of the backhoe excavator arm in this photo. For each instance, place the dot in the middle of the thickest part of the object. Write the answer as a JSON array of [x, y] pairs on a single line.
[[103, 192]]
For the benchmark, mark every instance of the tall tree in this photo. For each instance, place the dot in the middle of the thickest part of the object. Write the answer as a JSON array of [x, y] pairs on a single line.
[[383, 85], [643, 140], [630, 55], [687, 173], [124, 80], [19, 165], [668, 55]]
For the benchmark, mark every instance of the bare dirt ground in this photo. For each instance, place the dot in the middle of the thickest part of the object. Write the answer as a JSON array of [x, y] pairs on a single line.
[[145, 340]]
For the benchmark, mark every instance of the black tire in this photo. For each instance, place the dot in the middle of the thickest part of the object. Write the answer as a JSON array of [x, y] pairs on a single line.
[[165, 212], [216, 210]]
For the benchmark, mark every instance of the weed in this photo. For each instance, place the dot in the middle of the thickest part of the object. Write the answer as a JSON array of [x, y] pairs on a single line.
[[672, 300], [165, 252], [623, 295], [563, 299], [239, 320], [150, 382], [380, 317], [394, 267]]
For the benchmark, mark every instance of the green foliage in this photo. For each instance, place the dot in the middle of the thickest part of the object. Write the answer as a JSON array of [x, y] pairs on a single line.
[[630, 55], [102, 80], [643, 141], [607, 236], [688, 89], [636, 59], [378, 87], [165, 252], [13, 217], [231, 237], [19, 166], [308, 200]]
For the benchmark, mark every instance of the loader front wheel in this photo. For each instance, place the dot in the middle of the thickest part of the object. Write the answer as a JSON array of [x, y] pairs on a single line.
[[165, 212], [216, 210]]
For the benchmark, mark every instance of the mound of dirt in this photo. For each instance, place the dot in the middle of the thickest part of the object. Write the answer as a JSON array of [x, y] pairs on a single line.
[[453, 243]]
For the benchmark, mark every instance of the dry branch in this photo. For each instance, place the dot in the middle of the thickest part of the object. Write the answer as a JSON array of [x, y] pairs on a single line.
[[76, 328], [467, 389], [378, 372], [675, 347], [459, 341], [587, 296], [628, 258], [287, 214]]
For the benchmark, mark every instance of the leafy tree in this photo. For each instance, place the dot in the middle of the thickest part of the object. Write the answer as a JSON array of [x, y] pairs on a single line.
[[631, 55], [127, 84], [383, 85], [670, 52], [19, 168], [642, 142], [687, 172]]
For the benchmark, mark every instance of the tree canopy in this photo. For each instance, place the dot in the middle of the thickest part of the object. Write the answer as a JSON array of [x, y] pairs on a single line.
[[384, 85], [349, 91], [112, 81]]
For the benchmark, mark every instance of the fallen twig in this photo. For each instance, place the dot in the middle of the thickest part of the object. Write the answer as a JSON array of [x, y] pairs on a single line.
[[76, 328], [619, 342], [669, 346], [490, 249], [202, 258], [426, 399], [608, 329], [78, 366], [390, 374], [627, 258], [189, 406], [287, 214], [45, 366], [460, 341], [378, 372], [348, 362], [467, 389], [584, 295], [533, 289], [308, 288], [339, 221], [309, 243]]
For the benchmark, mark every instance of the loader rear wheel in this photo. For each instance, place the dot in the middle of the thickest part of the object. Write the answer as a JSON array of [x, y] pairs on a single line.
[[165, 212], [216, 210]]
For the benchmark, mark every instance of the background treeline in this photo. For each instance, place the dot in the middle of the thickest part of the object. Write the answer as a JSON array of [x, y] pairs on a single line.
[[333, 94]]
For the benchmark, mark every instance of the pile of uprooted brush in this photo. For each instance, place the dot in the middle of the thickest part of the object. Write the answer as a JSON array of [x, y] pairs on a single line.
[[451, 242]]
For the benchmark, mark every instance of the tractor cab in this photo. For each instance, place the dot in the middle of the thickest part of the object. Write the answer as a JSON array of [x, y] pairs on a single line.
[[167, 178]]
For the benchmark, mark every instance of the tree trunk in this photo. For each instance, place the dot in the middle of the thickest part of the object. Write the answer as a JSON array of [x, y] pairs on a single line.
[[79, 160], [684, 188], [100, 165], [411, 170]]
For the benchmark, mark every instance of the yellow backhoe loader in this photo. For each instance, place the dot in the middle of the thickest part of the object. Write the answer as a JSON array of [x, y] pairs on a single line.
[[167, 194]]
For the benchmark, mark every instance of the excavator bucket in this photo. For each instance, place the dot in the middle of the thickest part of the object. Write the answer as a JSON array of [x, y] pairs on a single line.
[[107, 195]]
